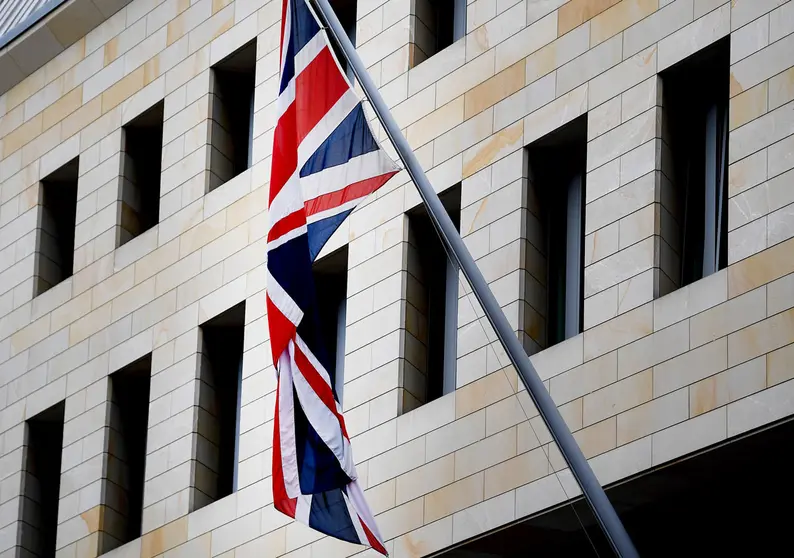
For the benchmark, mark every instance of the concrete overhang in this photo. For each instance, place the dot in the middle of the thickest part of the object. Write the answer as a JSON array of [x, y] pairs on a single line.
[[36, 31]]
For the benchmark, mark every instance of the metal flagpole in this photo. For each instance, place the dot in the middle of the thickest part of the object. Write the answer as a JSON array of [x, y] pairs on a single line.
[[592, 490]]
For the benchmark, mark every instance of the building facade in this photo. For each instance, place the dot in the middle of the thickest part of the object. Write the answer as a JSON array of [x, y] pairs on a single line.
[[621, 170]]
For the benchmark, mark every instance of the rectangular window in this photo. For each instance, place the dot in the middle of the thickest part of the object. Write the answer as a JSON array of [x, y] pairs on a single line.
[[438, 24], [232, 110], [330, 279], [432, 308], [55, 239], [345, 10], [695, 166], [142, 163], [42, 481], [129, 419], [219, 420], [555, 231]]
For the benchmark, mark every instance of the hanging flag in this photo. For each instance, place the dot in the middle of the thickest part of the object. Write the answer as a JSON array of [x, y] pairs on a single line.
[[325, 161]]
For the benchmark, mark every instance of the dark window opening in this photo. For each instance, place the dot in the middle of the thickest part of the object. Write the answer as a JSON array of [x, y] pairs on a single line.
[[41, 481], [345, 11], [695, 166], [55, 242], [232, 106], [330, 280], [557, 164], [143, 155], [129, 420], [439, 23], [218, 423], [432, 308]]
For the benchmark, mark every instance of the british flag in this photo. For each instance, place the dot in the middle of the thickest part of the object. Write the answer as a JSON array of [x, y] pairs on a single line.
[[325, 161]]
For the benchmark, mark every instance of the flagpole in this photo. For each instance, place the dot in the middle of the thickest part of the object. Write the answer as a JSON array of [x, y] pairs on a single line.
[[607, 518]]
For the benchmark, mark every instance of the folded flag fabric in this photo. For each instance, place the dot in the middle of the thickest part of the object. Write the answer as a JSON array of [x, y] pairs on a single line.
[[325, 161]]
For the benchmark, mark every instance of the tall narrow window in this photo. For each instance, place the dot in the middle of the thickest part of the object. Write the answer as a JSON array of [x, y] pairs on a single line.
[[438, 24], [129, 420], [345, 10], [232, 106], [41, 481], [143, 153], [330, 279], [695, 168], [55, 239], [557, 182], [432, 307], [219, 411]]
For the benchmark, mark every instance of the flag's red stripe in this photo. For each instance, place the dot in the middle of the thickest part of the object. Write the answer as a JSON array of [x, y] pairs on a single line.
[[373, 540], [280, 328], [317, 88], [350, 193], [286, 224], [285, 151], [319, 386]]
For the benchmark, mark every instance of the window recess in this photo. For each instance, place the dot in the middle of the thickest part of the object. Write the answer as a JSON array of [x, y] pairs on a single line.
[[232, 110], [555, 231], [219, 405], [431, 308], [56, 223], [694, 221], [142, 163], [330, 280]]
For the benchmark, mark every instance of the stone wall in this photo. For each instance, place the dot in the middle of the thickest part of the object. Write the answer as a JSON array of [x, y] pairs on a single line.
[[650, 379]]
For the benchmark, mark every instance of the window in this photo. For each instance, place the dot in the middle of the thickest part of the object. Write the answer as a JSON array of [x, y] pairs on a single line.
[[330, 279], [694, 225], [432, 308], [55, 243], [232, 107], [439, 23], [129, 418], [555, 230], [142, 162], [345, 10], [218, 420], [42, 481]]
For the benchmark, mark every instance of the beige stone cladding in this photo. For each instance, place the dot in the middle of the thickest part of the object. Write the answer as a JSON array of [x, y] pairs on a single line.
[[657, 372]]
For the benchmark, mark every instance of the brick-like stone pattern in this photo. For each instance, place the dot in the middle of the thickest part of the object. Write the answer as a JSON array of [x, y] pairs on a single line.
[[653, 376]]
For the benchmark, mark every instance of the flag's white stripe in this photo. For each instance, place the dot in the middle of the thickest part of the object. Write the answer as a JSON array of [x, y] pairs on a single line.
[[327, 124], [339, 177], [284, 238], [354, 518], [313, 360], [286, 418], [310, 51], [303, 508], [287, 201], [281, 300], [360, 504], [324, 422], [285, 99]]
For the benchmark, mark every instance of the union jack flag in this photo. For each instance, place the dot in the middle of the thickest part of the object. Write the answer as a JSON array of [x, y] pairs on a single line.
[[325, 161]]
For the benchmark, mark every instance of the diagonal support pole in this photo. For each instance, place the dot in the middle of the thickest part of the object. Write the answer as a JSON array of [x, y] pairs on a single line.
[[593, 492]]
